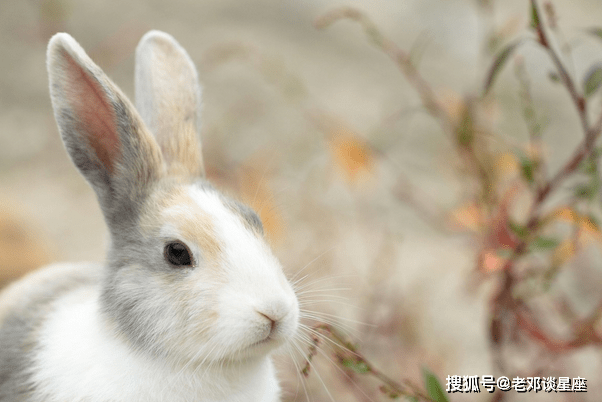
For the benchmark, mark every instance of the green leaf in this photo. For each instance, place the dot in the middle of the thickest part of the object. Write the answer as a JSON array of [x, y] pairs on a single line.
[[528, 167], [587, 191], [498, 63], [535, 20], [466, 130], [544, 243], [554, 77], [359, 367], [589, 166], [433, 386], [592, 80], [595, 31], [519, 230]]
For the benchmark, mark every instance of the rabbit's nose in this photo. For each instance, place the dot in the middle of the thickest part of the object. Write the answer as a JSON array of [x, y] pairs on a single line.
[[273, 322], [274, 314]]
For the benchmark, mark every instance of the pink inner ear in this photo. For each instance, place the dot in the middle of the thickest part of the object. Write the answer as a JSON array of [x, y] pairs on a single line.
[[94, 113]]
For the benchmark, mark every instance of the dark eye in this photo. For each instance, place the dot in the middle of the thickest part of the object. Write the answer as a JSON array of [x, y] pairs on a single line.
[[178, 254]]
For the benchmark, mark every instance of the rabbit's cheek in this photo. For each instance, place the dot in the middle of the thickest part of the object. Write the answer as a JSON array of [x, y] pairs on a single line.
[[199, 296]]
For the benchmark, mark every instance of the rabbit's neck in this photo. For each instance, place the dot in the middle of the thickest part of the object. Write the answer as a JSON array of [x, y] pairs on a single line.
[[95, 365]]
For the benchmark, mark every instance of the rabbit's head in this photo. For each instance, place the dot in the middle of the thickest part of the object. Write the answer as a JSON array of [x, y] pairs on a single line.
[[189, 277]]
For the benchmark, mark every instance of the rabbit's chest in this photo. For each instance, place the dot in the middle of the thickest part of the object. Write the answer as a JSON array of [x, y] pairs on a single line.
[[77, 360]]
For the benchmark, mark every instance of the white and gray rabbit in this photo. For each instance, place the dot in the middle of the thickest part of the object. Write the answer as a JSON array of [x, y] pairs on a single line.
[[190, 301]]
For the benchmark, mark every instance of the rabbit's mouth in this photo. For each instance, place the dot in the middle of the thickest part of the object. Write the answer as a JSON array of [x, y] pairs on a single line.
[[271, 341], [267, 339], [271, 337]]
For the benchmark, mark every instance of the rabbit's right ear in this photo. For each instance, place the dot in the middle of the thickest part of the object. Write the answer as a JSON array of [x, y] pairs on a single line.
[[102, 132], [168, 97]]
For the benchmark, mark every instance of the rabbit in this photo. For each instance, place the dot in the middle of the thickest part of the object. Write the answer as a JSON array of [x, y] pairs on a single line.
[[191, 302]]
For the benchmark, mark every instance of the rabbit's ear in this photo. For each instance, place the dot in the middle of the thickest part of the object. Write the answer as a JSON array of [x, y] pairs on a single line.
[[168, 97], [102, 132]]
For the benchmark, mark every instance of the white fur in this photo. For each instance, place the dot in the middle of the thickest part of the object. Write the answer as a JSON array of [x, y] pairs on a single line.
[[17, 294], [251, 283], [88, 363], [144, 328], [256, 283]]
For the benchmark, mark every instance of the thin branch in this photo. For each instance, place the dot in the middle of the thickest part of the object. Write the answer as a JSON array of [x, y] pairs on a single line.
[[591, 133], [566, 79], [401, 58], [347, 354], [504, 301]]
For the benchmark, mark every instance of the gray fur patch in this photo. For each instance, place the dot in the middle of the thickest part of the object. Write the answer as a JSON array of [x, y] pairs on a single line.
[[246, 213], [18, 330]]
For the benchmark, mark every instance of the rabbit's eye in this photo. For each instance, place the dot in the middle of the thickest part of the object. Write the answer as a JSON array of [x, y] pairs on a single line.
[[178, 254]]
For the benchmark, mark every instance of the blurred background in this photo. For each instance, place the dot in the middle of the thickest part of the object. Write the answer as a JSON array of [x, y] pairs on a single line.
[[358, 185]]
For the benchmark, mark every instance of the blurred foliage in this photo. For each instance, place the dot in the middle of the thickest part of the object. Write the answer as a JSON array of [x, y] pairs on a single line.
[[517, 247]]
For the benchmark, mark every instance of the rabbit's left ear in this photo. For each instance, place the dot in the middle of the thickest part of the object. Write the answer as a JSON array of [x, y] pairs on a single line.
[[168, 97]]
